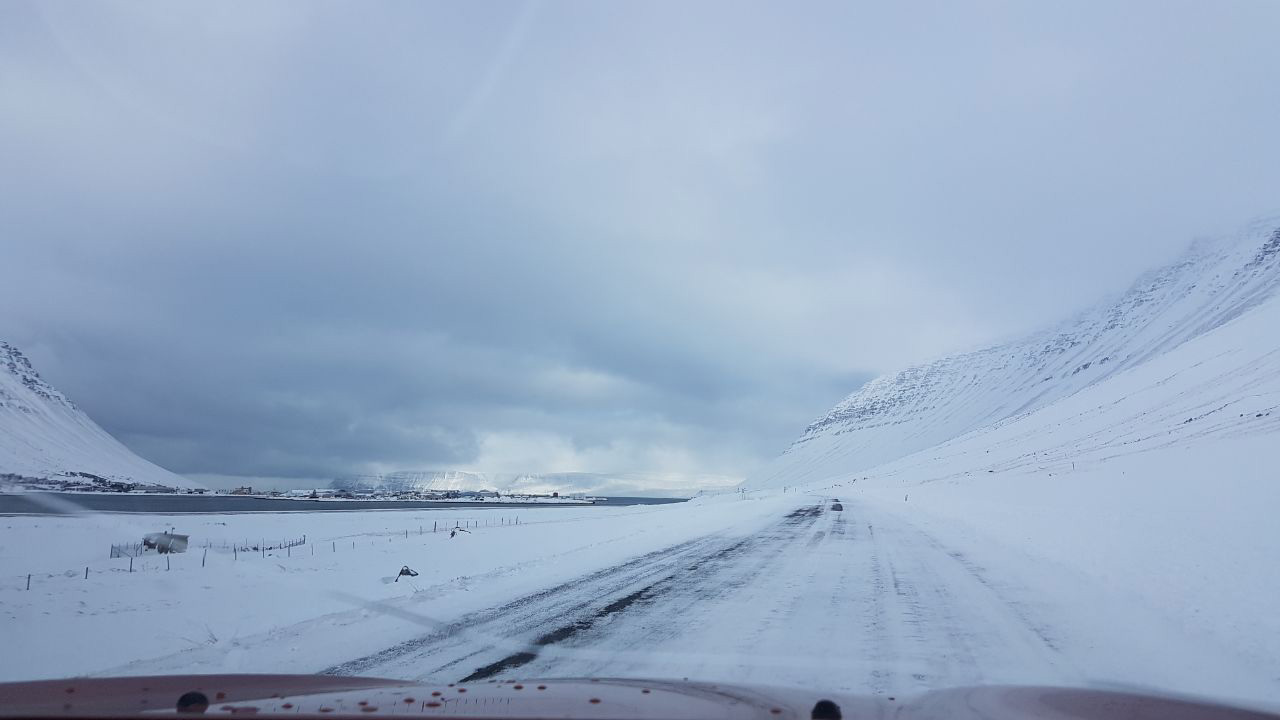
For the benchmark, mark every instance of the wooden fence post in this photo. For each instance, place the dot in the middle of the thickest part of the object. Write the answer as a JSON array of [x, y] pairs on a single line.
[[86, 573], [28, 581], [130, 563], [204, 557]]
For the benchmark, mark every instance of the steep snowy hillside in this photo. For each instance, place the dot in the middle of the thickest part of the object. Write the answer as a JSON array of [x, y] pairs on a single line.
[[1158, 482], [44, 435], [925, 405], [1150, 475]]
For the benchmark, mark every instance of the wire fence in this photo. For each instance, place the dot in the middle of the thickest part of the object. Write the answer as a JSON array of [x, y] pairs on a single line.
[[143, 558]]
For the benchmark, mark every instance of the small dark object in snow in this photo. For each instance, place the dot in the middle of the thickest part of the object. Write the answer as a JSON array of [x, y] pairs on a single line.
[[457, 530], [405, 572], [837, 506]]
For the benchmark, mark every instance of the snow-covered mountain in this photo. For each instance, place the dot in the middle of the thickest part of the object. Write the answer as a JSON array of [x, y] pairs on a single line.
[[623, 484], [43, 435], [920, 407]]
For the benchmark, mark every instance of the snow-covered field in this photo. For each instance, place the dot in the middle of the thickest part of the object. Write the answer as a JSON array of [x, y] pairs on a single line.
[[295, 610], [884, 597]]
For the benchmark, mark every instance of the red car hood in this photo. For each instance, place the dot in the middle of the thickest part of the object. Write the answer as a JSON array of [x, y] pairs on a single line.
[[333, 697]]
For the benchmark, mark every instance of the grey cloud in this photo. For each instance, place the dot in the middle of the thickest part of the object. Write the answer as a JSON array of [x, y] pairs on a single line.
[[308, 239]]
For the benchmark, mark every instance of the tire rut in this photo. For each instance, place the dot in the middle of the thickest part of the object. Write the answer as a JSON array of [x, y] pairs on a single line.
[[587, 600]]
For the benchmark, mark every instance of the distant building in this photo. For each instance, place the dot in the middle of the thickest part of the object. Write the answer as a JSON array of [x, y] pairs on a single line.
[[165, 542]]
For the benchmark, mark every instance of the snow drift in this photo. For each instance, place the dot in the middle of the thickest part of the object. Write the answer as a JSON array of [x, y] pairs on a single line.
[[44, 435]]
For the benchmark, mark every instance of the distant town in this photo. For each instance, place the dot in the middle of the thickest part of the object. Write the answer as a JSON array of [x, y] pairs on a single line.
[[81, 482]]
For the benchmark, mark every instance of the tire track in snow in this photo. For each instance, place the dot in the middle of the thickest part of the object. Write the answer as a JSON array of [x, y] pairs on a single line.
[[847, 600], [474, 633], [820, 603], [513, 634]]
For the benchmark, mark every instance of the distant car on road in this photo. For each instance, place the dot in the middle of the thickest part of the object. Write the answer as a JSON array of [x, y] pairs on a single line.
[[837, 506]]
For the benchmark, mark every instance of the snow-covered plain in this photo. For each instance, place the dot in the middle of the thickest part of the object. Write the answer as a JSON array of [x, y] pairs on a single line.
[[294, 610], [883, 597]]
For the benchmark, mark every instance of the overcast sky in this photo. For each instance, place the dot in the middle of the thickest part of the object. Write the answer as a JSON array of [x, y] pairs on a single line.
[[309, 239]]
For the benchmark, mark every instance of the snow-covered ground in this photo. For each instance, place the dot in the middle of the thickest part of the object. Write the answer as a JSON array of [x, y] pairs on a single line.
[[1113, 481], [884, 597], [1157, 483], [295, 610]]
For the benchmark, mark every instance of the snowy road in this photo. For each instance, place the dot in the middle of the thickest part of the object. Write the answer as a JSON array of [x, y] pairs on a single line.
[[884, 597], [848, 599]]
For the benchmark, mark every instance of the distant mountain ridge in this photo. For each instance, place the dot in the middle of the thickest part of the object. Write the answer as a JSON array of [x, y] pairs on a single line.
[[924, 405], [537, 483], [43, 435]]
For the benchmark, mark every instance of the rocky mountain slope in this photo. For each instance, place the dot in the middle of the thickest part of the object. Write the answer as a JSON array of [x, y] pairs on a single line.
[[44, 436]]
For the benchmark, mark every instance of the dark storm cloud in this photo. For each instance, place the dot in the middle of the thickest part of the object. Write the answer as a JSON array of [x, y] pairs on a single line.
[[308, 239]]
